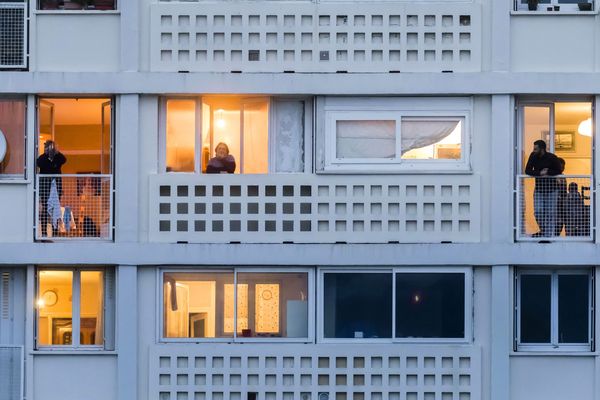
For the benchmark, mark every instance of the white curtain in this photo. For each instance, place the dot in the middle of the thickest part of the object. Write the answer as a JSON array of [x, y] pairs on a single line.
[[420, 133], [289, 128], [366, 139]]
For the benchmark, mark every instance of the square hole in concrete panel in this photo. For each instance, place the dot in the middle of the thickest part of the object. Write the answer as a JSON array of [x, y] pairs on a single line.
[[341, 38], [324, 56], [306, 20], [340, 226], [235, 396], [323, 208], [340, 191], [183, 56], [393, 209], [464, 380], [235, 208], [164, 226], [464, 226], [166, 55], [166, 39], [376, 55], [411, 209], [288, 55], [182, 191], [341, 396], [270, 396], [288, 208], [253, 380], [446, 209], [394, 55], [217, 226], [394, 380], [394, 396], [271, 191], [288, 190], [164, 208], [165, 191], [376, 380], [341, 362], [358, 190], [306, 55], [200, 379], [429, 380], [182, 379], [252, 208], [324, 20], [324, 38], [464, 208], [323, 226], [465, 20], [219, 20], [412, 362], [447, 362], [358, 396], [182, 226], [184, 21], [252, 226], [323, 380], [446, 226], [200, 362], [412, 380], [182, 396], [217, 208], [376, 362], [447, 55], [376, 226], [271, 38], [464, 362], [235, 362], [359, 20], [305, 208], [428, 190], [465, 55], [359, 38], [394, 38], [360, 55], [358, 226], [200, 191], [341, 380], [288, 395], [289, 38], [447, 380], [430, 20], [429, 226], [376, 38], [411, 226], [271, 20], [447, 20], [412, 55], [235, 226], [429, 396], [393, 226], [340, 208], [394, 362], [288, 380], [166, 20], [254, 20], [447, 38], [288, 362], [323, 362], [376, 208], [341, 55], [218, 362], [305, 380], [199, 396], [358, 362], [182, 208], [394, 20], [270, 226], [288, 226], [289, 20], [447, 395], [358, 208], [236, 20], [464, 396], [377, 20], [411, 190], [270, 208], [217, 379], [376, 190], [464, 38], [429, 39], [428, 209], [219, 38], [164, 379], [412, 20], [236, 55], [305, 191], [252, 191], [341, 20], [183, 39], [271, 380]]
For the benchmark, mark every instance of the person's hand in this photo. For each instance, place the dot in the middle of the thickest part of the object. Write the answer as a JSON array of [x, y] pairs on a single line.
[[544, 172]]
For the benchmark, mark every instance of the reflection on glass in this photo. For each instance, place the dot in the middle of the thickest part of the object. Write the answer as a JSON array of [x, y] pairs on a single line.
[[195, 304], [358, 305], [431, 139], [535, 308], [365, 139], [91, 305], [430, 305], [181, 134], [55, 308], [573, 308], [275, 304]]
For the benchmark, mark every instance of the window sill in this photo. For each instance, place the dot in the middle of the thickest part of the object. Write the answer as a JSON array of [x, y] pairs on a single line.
[[77, 12], [69, 352], [16, 181], [556, 13], [383, 171], [559, 353]]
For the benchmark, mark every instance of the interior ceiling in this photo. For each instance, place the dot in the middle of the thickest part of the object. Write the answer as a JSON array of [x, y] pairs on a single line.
[[62, 277], [77, 111], [567, 113]]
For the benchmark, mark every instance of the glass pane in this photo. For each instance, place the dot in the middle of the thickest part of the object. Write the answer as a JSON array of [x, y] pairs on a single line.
[[226, 130], [55, 309], [431, 139], [181, 135], [573, 308], [198, 304], [256, 137], [92, 307], [573, 136], [274, 304], [358, 305], [366, 139], [12, 137], [536, 126], [105, 143], [430, 305], [535, 308]]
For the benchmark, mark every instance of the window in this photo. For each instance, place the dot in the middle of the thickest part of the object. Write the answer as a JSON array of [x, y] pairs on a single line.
[[236, 305], [400, 305], [556, 5], [554, 310], [12, 138], [100, 5], [395, 136], [75, 308]]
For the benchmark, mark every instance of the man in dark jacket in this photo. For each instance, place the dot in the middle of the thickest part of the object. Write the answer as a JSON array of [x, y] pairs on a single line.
[[544, 166], [49, 163]]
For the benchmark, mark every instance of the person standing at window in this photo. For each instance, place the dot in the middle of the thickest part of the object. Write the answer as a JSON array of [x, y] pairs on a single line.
[[223, 162], [544, 165], [49, 163]]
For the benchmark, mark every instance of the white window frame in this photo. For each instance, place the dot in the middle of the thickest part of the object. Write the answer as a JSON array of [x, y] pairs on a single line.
[[234, 338], [554, 345], [108, 310], [395, 109], [12, 178], [543, 8], [394, 271]]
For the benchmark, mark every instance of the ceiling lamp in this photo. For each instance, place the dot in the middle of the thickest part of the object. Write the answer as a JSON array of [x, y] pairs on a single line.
[[585, 127]]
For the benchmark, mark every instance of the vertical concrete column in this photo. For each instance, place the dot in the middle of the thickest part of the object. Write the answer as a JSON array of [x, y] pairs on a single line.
[[502, 170], [127, 150], [596, 165], [501, 333], [500, 35], [130, 35], [126, 332]]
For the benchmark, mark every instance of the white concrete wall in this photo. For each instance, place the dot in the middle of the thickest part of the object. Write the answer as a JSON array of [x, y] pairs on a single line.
[[14, 213]]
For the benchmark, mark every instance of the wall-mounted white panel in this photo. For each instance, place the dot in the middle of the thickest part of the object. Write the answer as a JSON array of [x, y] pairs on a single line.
[[75, 377], [77, 42], [552, 43]]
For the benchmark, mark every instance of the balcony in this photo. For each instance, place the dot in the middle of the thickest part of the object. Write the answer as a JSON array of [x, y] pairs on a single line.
[[306, 208], [315, 37], [555, 208], [74, 207]]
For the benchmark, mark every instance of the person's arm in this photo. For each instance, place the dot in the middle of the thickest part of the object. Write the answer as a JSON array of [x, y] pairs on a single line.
[[229, 163], [530, 167], [555, 167], [60, 158]]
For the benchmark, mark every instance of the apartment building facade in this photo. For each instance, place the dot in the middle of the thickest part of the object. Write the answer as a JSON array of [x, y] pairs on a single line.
[[383, 231]]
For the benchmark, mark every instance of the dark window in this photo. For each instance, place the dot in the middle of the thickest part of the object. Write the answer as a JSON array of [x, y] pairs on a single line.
[[430, 305], [536, 308], [573, 308]]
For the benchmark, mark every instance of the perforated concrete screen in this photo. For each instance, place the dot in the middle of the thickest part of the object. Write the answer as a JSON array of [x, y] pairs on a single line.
[[301, 37]]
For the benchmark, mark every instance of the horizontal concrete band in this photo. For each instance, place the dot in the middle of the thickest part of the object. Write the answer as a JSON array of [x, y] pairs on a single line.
[[269, 83], [300, 254]]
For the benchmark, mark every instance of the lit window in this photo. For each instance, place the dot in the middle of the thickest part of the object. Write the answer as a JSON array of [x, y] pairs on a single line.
[[209, 305], [12, 138], [554, 310], [431, 138], [181, 130], [555, 5], [100, 5], [75, 308]]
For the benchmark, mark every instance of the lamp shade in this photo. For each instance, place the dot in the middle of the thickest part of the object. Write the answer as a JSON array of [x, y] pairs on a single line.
[[585, 127]]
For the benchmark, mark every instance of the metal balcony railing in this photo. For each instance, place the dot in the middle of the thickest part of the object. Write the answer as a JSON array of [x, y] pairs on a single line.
[[74, 207], [555, 208], [13, 35]]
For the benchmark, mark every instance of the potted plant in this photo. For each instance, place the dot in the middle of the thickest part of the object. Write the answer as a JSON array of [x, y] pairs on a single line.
[[532, 4]]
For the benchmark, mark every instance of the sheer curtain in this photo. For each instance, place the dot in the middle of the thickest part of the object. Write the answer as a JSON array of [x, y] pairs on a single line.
[[366, 139], [289, 152], [420, 133]]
